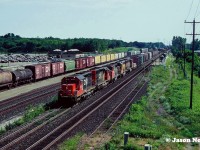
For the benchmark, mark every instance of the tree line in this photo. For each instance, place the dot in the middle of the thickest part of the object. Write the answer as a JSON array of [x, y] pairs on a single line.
[[178, 45], [11, 43]]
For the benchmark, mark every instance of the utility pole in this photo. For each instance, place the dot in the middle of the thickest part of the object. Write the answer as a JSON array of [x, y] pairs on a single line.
[[184, 60], [193, 44]]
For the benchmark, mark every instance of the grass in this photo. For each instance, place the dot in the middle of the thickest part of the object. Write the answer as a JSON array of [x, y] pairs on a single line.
[[71, 144], [30, 114], [163, 113], [120, 49]]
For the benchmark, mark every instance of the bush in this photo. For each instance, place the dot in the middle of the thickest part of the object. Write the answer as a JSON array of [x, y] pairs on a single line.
[[130, 147], [184, 120], [110, 146], [162, 98], [167, 107]]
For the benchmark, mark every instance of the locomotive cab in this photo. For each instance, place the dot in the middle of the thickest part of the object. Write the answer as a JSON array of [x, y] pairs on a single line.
[[71, 87]]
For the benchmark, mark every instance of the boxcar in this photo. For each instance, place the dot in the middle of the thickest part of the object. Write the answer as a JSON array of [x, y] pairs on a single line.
[[5, 78], [57, 68], [97, 60], [90, 61], [21, 75], [103, 58], [40, 71], [80, 63]]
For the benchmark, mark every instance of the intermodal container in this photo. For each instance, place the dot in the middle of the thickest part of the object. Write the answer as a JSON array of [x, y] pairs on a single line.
[[145, 57], [144, 50], [108, 57], [112, 56], [150, 55], [125, 54], [103, 58], [122, 54], [119, 55], [141, 59], [116, 56]]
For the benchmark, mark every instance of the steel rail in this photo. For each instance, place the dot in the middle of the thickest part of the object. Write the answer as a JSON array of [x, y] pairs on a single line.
[[17, 140], [81, 116]]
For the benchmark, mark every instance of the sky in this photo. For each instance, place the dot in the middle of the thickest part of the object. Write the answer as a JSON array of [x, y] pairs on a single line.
[[127, 20]]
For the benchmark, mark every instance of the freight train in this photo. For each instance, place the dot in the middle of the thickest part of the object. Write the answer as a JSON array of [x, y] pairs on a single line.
[[79, 86], [32, 73], [35, 72]]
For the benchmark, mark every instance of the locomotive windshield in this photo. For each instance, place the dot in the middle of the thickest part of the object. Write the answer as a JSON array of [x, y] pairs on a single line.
[[71, 81]]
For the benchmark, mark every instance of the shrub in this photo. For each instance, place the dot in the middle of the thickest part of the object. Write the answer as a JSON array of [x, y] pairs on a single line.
[[184, 120], [162, 98], [110, 146]]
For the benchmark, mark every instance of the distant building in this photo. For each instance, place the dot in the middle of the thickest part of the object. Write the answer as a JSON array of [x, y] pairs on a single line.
[[57, 53], [198, 52], [72, 54]]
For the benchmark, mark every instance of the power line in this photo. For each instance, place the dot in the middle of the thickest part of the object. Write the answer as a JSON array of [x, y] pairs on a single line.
[[198, 15], [197, 9], [190, 9], [193, 44]]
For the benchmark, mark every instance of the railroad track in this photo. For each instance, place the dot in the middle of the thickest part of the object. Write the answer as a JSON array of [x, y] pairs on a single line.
[[6, 139], [90, 117], [56, 134], [68, 125], [11, 105], [107, 125], [10, 140], [17, 104]]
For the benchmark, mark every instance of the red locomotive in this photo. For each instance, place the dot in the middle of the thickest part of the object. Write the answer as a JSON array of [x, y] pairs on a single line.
[[80, 86]]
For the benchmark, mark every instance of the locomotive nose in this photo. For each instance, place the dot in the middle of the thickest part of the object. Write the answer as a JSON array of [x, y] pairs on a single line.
[[64, 87], [68, 89]]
